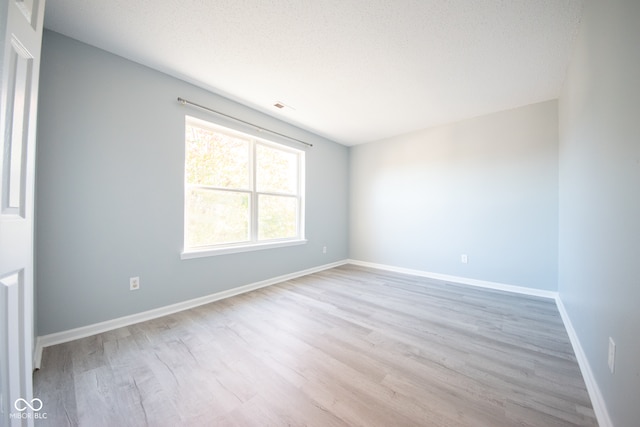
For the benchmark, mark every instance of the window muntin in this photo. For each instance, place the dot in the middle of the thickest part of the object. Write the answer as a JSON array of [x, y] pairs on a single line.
[[240, 191]]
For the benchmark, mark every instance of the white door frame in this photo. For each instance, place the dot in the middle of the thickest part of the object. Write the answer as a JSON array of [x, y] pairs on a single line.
[[20, 44]]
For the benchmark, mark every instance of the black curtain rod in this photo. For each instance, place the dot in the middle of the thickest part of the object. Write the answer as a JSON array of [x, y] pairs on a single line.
[[260, 129]]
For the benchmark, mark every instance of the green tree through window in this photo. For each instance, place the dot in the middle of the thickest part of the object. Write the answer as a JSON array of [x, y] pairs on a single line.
[[239, 190]]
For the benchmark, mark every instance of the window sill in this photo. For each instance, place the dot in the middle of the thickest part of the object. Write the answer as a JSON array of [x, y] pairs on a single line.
[[207, 252]]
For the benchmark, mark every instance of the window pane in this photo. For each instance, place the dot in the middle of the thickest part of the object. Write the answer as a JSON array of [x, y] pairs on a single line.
[[277, 217], [216, 159], [276, 170], [216, 217]]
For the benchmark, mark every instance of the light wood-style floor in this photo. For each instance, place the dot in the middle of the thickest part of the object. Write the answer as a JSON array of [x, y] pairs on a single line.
[[350, 346]]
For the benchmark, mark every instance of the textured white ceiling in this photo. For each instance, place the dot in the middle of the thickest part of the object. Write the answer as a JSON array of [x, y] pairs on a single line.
[[354, 71]]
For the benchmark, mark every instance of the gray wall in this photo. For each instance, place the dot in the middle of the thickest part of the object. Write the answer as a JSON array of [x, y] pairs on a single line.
[[485, 187], [599, 243], [110, 192]]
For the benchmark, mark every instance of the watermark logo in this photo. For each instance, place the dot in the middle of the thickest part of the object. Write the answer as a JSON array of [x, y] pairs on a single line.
[[28, 409], [22, 404]]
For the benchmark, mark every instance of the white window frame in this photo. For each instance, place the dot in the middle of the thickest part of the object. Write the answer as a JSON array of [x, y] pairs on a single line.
[[253, 244]]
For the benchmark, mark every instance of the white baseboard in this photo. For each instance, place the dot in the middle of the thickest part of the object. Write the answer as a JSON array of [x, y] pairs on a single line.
[[97, 328], [599, 407], [462, 280]]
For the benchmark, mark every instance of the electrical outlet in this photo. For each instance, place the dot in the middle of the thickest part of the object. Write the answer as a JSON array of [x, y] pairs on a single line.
[[134, 283], [464, 258], [324, 249], [612, 355]]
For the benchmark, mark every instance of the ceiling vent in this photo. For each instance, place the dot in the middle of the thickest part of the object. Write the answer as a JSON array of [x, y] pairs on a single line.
[[282, 106]]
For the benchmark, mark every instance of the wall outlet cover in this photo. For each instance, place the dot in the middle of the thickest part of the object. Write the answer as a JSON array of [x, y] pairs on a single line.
[[612, 355]]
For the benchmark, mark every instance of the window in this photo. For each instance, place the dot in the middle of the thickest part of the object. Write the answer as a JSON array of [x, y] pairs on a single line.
[[241, 192]]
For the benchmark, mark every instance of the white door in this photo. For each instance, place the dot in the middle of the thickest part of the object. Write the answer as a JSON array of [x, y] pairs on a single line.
[[20, 42]]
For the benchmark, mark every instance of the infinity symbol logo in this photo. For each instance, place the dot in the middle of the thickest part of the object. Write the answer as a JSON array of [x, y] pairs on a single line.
[[22, 404]]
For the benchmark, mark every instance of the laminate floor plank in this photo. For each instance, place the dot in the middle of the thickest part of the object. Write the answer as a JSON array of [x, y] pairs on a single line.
[[60, 394], [349, 346]]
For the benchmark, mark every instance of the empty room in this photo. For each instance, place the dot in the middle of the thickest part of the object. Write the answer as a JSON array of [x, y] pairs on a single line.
[[320, 213]]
